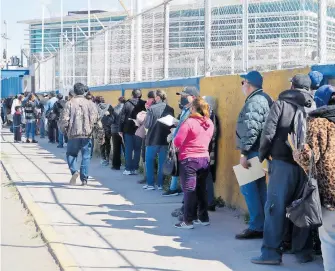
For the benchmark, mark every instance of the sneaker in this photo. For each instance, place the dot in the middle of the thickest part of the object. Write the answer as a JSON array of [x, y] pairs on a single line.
[[27, 141], [126, 172], [261, 260], [105, 163], [148, 187], [134, 172], [203, 223], [83, 182], [34, 141], [74, 178], [249, 234], [102, 161], [160, 187], [15, 141], [170, 193], [183, 225]]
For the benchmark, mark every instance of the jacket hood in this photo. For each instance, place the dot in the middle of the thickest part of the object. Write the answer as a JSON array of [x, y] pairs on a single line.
[[298, 97], [327, 112], [103, 106], [323, 95], [204, 121]]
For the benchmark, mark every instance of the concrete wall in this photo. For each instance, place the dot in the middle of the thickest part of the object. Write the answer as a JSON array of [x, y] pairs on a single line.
[[227, 89]]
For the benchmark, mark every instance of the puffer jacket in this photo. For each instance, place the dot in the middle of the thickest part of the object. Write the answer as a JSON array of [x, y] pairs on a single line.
[[320, 139], [251, 121], [78, 118], [280, 123]]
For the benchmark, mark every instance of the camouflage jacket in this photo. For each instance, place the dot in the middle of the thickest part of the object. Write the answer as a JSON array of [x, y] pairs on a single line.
[[78, 118]]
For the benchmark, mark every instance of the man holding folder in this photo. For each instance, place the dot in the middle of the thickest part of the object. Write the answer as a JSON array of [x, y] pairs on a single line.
[[249, 128]]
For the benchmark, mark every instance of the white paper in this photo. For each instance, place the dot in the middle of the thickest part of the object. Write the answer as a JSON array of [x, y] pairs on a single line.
[[168, 120], [245, 176]]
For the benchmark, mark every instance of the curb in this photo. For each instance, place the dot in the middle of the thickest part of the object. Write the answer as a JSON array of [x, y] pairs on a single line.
[[58, 250]]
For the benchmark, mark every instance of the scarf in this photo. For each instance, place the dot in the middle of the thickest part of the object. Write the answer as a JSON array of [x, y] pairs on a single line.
[[327, 112]]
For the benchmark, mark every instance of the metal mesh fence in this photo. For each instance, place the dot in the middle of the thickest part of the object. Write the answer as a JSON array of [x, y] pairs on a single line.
[[171, 41]]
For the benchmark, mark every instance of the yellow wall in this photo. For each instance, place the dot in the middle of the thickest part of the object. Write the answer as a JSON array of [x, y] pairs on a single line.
[[227, 89], [111, 97]]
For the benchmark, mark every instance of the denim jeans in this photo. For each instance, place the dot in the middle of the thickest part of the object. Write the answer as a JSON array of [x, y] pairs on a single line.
[[133, 151], [255, 197], [193, 174], [150, 156], [327, 237], [42, 127], [74, 146], [174, 183], [30, 130], [60, 138], [286, 183]]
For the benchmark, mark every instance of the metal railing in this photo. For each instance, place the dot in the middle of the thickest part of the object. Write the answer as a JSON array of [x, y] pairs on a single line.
[[206, 38]]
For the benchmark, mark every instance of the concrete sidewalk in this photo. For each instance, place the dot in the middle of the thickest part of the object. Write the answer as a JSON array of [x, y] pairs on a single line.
[[112, 224]]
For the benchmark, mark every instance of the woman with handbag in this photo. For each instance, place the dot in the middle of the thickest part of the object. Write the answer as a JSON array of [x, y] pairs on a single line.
[[192, 141], [320, 150], [156, 139]]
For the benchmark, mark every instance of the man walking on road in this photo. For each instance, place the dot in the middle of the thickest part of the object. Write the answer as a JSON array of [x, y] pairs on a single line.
[[250, 124], [77, 121]]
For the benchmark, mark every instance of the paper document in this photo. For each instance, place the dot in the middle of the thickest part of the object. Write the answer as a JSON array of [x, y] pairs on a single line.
[[168, 120], [245, 176]]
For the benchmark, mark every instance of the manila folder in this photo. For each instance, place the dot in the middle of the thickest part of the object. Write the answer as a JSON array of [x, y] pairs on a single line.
[[245, 176]]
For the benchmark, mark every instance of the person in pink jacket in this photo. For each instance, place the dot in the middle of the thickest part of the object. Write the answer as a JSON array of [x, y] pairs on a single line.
[[192, 141]]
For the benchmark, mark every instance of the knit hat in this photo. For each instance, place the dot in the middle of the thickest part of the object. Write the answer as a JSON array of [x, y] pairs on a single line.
[[316, 78], [323, 95]]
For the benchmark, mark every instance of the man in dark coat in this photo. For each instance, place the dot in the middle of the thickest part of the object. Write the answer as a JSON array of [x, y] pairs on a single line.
[[286, 177], [127, 129], [248, 132]]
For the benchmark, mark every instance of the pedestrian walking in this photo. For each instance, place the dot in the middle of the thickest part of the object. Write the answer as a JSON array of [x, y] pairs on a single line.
[[286, 177], [249, 128], [77, 121]]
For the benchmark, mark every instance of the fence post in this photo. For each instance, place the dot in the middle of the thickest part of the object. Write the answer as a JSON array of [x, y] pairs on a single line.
[[132, 41], [245, 37], [166, 39], [89, 44], [279, 66], [106, 58], [322, 37], [208, 30], [139, 41], [73, 57]]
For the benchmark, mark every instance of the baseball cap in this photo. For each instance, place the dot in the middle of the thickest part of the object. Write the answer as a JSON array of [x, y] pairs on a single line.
[[323, 95], [316, 78], [190, 91], [301, 81], [254, 78]]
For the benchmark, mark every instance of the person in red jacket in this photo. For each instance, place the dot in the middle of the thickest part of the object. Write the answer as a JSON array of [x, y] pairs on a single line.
[[193, 140]]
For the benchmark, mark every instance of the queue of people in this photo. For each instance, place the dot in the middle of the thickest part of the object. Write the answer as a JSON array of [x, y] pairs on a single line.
[[134, 128]]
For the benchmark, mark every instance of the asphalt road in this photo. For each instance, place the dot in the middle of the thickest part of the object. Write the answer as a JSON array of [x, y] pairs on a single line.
[[22, 248]]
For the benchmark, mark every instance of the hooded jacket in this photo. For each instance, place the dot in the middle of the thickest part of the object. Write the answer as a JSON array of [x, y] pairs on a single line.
[[105, 114], [320, 139], [280, 123], [116, 118], [129, 111], [193, 137]]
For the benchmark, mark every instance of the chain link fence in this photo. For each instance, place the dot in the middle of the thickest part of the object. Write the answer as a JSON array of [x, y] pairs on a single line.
[[203, 38]]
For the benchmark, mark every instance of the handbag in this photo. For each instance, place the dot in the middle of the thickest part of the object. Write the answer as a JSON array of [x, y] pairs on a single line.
[[306, 212], [171, 166]]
